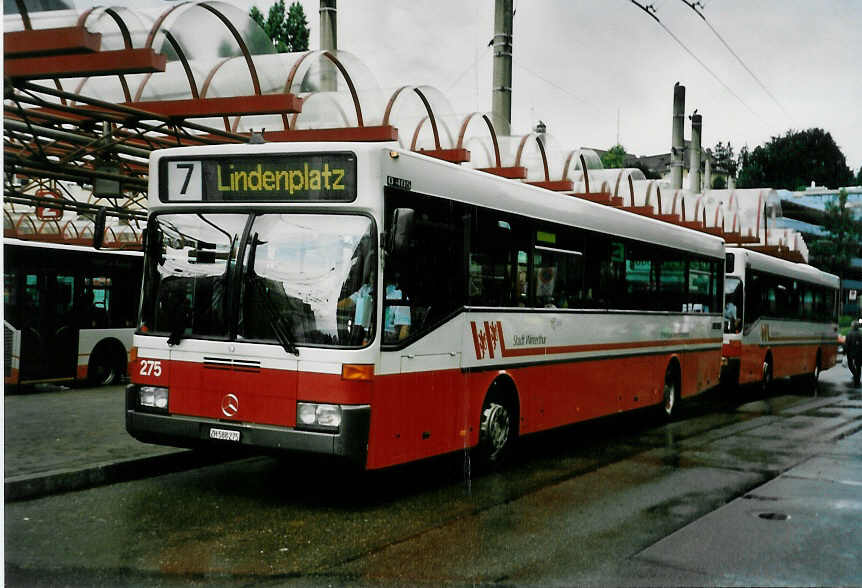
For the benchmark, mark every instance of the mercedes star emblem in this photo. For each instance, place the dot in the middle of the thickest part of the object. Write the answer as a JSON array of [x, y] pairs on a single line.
[[230, 405]]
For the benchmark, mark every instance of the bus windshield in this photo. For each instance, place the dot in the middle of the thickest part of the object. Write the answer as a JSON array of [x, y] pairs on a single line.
[[732, 305], [291, 279]]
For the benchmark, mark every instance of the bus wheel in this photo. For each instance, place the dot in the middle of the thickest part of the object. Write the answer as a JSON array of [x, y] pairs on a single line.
[[497, 431], [107, 366], [815, 375], [766, 381], [670, 395]]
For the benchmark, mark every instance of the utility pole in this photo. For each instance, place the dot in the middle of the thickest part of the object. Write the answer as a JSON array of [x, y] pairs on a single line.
[[501, 107], [328, 42], [694, 168], [677, 144]]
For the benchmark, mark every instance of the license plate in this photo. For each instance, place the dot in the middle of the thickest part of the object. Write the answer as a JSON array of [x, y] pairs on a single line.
[[224, 435]]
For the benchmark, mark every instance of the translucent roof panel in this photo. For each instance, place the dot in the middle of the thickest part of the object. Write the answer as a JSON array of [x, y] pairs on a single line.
[[202, 35], [326, 110], [342, 73], [649, 193], [617, 180], [411, 109], [44, 14], [137, 23], [478, 140], [481, 151], [531, 157]]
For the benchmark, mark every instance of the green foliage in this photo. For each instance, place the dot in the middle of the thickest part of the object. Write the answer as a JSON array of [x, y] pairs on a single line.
[[833, 254], [615, 157], [796, 159], [719, 183], [648, 173], [228, 49], [859, 177], [722, 154], [287, 29]]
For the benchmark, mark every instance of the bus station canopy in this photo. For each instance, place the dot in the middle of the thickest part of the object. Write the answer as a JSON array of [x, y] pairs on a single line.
[[91, 92]]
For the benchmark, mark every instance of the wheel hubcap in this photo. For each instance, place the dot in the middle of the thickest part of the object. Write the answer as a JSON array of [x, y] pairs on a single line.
[[495, 427], [669, 397]]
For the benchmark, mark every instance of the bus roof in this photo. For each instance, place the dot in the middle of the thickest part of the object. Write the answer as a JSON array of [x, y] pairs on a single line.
[[427, 176], [782, 267]]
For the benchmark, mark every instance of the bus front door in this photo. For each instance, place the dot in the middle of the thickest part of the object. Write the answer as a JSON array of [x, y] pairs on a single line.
[[48, 330]]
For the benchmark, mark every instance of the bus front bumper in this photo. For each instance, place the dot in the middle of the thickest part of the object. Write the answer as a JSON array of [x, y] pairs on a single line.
[[350, 442]]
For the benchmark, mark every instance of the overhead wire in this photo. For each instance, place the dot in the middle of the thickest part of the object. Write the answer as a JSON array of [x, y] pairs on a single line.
[[693, 6], [650, 10]]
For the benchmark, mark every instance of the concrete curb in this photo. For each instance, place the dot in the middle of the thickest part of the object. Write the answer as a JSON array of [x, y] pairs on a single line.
[[27, 487]]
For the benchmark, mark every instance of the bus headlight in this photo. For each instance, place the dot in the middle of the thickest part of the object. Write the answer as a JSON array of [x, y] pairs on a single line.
[[318, 416], [153, 397]]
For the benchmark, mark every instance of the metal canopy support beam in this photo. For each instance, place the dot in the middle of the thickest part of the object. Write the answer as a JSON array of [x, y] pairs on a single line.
[[512, 173], [125, 61], [450, 155], [555, 185], [42, 42], [229, 106], [376, 133]]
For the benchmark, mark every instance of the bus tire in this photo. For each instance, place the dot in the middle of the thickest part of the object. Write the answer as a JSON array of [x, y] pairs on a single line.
[[814, 376], [498, 426], [670, 391], [107, 364], [766, 380]]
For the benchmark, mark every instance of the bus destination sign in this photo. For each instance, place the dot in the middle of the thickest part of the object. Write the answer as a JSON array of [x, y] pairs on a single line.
[[308, 177]]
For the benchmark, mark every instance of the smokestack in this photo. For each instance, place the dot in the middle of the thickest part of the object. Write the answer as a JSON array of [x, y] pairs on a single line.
[[694, 167], [707, 174], [677, 145], [501, 107], [328, 42]]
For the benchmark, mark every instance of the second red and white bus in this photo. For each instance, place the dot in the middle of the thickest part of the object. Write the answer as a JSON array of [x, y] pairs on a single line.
[[367, 302], [780, 319]]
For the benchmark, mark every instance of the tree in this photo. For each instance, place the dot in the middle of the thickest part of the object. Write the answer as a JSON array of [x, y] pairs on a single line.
[[615, 157], [859, 177], [288, 32], [793, 161], [834, 252], [725, 162]]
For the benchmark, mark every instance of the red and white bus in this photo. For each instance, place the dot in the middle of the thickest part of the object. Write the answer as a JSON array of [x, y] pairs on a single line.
[[367, 302], [68, 312], [781, 319]]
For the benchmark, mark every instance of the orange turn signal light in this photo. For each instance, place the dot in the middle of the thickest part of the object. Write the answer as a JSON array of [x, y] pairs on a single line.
[[133, 354], [358, 372]]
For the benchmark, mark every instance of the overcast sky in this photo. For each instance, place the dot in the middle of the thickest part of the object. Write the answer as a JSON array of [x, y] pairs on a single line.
[[580, 63]]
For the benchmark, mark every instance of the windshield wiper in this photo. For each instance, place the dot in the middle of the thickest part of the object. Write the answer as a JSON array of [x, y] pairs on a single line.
[[281, 326]]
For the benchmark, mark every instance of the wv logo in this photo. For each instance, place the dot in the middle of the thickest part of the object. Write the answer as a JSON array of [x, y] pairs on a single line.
[[487, 338]]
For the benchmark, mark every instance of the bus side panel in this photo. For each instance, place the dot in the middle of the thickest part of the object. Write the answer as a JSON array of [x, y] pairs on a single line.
[[700, 371], [88, 339], [829, 354], [422, 414], [751, 363], [418, 415], [557, 394], [787, 360]]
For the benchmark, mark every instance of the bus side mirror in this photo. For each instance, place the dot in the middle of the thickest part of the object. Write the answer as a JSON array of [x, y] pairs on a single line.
[[99, 228], [398, 239], [152, 244]]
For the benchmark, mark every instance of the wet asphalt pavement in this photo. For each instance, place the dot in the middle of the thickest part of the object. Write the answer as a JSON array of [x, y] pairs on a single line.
[[738, 490]]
